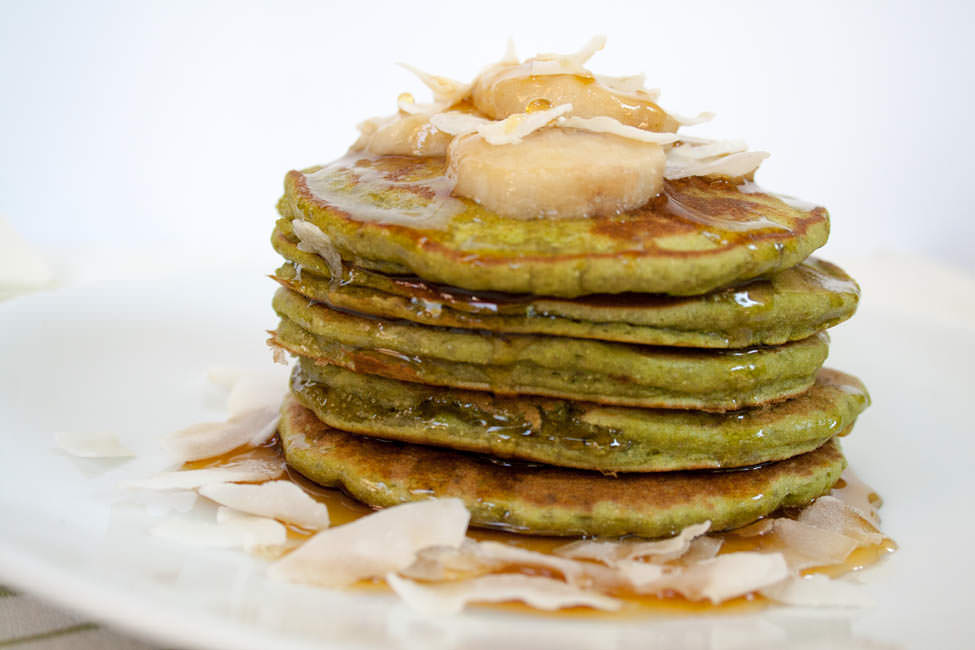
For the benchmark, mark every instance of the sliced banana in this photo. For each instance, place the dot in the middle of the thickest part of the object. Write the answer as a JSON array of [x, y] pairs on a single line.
[[402, 135], [508, 89], [557, 173]]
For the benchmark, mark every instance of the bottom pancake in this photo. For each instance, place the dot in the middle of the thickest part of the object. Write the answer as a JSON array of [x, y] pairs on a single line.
[[543, 500]]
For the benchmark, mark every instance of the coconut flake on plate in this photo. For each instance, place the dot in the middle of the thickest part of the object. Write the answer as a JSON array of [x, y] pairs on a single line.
[[662, 550], [376, 544], [253, 390], [817, 590], [859, 496], [582, 574], [99, 444], [231, 530], [830, 513], [252, 427], [281, 500], [723, 577], [805, 545], [541, 593], [311, 239], [245, 471]]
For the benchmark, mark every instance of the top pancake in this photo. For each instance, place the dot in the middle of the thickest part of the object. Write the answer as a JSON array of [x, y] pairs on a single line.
[[696, 236]]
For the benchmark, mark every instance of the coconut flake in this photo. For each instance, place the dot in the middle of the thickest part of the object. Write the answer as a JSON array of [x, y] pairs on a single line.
[[612, 552], [513, 128], [818, 591], [829, 513], [232, 530], [733, 165], [258, 390], [702, 548], [629, 84], [406, 103], [281, 500], [583, 574], [457, 122], [438, 563], [245, 471], [700, 118], [313, 240], [252, 427], [603, 124], [99, 444], [538, 592], [859, 496], [445, 91], [375, 545], [724, 577], [551, 64], [807, 545], [760, 527]]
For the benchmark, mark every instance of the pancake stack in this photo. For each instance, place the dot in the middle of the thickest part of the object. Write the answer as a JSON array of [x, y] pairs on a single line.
[[629, 374]]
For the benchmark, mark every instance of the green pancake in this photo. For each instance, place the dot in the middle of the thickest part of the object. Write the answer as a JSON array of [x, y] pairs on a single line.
[[790, 305], [543, 500], [697, 235], [579, 434], [580, 369]]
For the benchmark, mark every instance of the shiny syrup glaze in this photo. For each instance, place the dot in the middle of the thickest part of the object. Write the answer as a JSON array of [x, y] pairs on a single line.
[[343, 509]]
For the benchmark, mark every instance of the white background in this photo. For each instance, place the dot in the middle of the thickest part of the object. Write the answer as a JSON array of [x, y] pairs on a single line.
[[170, 125]]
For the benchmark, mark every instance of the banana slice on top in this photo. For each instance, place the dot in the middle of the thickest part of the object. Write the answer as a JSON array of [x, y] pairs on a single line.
[[509, 89], [557, 173], [402, 135]]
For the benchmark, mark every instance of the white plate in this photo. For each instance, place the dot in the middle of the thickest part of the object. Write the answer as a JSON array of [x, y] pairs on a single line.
[[130, 355]]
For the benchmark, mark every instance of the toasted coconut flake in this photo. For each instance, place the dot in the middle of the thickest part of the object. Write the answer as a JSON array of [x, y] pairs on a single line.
[[603, 124], [251, 427], [829, 513], [642, 575], [629, 84], [245, 471], [445, 91], [375, 545], [700, 118], [457, 122], [281, 500], [807, 545], [611, 552], [406, 103], [818, 591], [733, 165], [507, 131], [232, 530], [583, 574], [313, 240], [510, 53], [439, 563], [99, 444], [574, 63], [760, 527], [513, 128], [858, 495], [724, 577], [538, 592], [702, 548]]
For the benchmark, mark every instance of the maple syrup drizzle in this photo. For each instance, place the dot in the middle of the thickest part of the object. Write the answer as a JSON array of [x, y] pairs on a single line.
[[343, 509]]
